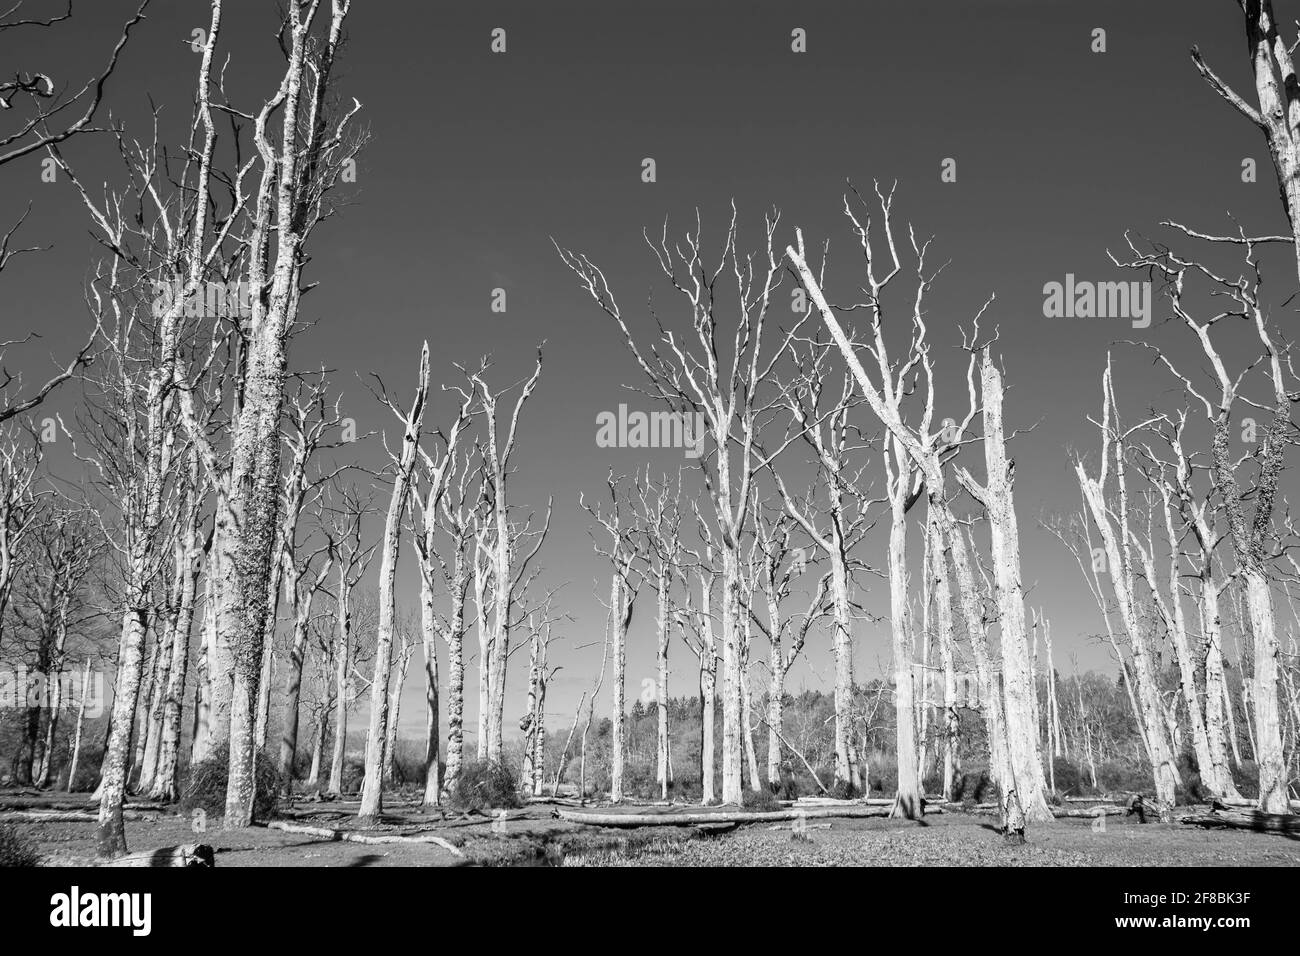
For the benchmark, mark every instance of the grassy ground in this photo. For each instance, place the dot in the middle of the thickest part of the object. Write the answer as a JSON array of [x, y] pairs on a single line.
[[962, 840], [533, 837]]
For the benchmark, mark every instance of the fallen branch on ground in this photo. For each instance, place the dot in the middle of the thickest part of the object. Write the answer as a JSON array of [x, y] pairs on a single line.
[[68, 816], [351, 836], [738, 816], [1256, 820], [192, 855]]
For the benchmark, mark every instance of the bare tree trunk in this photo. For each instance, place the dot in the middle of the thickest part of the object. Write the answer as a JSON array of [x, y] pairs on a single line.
[[481, 572], [201, 732], [942, 592], [907, 803], [111, 838], [1216, 689], [429, 626], [1158, 745], [165, 785], [1019, 693], [377, 738], [617, 603], [1273, 797], [708, 692], [845, 769], [394, 713], [318, 746], [661, 689], [342, 651], [747, 716], [81, 723]]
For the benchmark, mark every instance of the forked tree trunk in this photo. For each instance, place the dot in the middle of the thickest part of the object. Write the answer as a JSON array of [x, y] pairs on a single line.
[[377, 739], [1157, 739], [165, 785]]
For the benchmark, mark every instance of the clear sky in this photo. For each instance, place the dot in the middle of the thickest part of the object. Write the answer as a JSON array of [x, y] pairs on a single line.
[[477, 159]]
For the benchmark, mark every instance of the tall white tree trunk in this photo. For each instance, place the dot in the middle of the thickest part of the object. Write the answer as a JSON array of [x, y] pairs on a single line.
[[81, 723], [377, 739], [942, 592], [661, 688], [618, 603], [1019, 692], [907, 802]]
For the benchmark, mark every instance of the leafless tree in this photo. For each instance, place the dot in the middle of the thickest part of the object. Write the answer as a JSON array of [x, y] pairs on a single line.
[[691, 374]]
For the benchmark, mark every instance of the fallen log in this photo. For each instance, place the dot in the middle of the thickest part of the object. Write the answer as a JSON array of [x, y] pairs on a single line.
[[63, 803], [837, 802], [191, 855], [1246, 804], [1102, 811], [738, 816], [351, 836], [68, 816], [1256, 820]]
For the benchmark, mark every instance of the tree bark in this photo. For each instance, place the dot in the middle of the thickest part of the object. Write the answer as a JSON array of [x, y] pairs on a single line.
[[377, 738]]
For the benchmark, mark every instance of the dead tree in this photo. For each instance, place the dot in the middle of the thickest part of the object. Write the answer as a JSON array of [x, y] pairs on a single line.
[[1249, 500], [297, 169], [695, 622], [1278, 113], [372, 790], [21, 456], [626, 553], [351, 559], [505, 569], [924, 450], [45, 115], [451, 509], [781, 565], [836, 526], [312, 419], [696, 378], [1113, 524], [533, 723], [659, 515], [52, 604]]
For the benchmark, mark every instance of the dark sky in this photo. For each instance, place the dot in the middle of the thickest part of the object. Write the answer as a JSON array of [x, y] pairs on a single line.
[[477, 159]]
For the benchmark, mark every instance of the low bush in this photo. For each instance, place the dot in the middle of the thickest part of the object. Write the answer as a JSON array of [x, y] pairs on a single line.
[[483, 785], [760, 800], [205, 784], [16, 849]]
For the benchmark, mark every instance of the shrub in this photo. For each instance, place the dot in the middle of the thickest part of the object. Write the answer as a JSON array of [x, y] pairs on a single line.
[[843, 790], [760, 800], [788, 788], [205, 784], [1069, 779], [1118, 777], [16, 849], [639, 781], [483, 785]]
